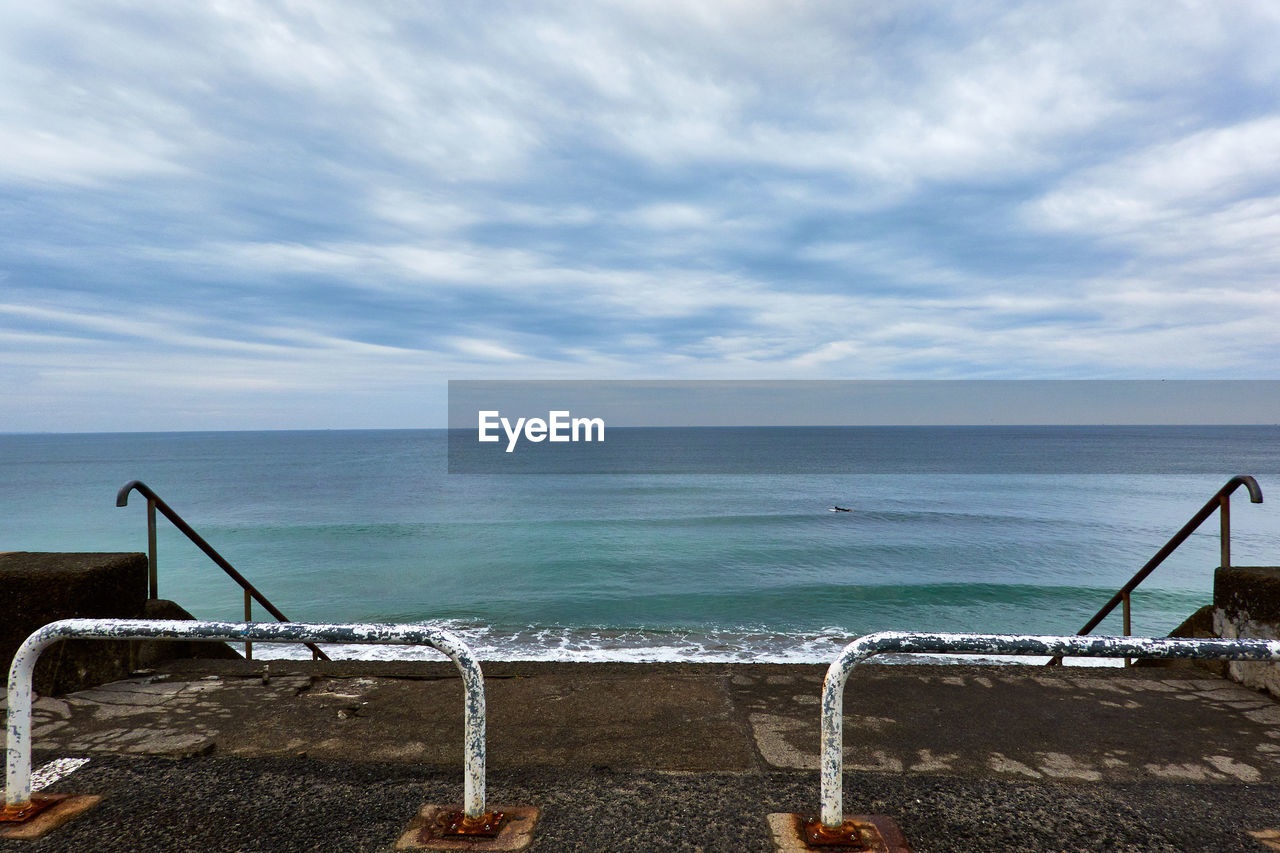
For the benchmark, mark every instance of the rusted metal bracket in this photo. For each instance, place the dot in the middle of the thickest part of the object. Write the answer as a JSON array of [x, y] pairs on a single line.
[[22, 812], [856, 833], [850, 835], [458, 825], [504, 829], [27, 823]]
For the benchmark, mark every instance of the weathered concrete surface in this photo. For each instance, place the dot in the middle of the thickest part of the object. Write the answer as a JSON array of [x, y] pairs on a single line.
[[1021, 722], [1012, 722], [1246, 603], [668, 757], [40, 588], [543, 715]]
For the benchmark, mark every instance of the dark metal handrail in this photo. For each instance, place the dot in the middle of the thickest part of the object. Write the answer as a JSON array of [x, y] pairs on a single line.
[[1221, 501], [251, 592]]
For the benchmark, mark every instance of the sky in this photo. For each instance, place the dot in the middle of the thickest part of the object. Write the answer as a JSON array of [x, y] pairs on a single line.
[[234, 215]]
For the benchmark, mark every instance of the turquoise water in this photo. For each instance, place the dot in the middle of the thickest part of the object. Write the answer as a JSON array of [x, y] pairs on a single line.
[[369, 526]]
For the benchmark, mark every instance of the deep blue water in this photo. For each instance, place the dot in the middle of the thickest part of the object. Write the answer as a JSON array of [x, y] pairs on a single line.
[[977, 529]]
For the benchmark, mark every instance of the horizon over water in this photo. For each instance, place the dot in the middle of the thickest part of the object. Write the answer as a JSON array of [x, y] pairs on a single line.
[[341, 526]]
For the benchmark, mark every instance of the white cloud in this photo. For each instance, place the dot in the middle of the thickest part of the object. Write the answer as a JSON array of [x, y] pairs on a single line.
[[483, 350], [1198, 174], [393, 192], [1199, 217], [668, 216], [86, 157]]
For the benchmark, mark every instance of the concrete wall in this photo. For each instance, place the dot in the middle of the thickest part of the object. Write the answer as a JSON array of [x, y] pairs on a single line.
[[40, 588], [1246, 603]]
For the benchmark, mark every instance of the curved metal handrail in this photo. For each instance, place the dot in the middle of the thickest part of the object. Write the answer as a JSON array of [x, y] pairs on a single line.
[[1221, 501], [155, 503], [831, 764], [17, 794]]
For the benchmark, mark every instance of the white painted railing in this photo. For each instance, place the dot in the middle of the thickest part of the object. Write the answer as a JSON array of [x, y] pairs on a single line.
[[832, 761], [18, 763]]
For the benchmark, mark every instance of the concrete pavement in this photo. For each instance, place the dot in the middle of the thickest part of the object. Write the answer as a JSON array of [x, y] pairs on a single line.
[[337, 756]]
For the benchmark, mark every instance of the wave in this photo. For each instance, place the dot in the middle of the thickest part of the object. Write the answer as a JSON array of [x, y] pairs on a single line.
[[597, 645]]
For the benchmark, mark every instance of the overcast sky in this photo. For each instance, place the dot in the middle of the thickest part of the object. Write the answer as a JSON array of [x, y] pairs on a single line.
[[248, 215]]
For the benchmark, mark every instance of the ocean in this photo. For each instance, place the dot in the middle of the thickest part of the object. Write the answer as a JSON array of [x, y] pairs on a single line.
[[991, 529]]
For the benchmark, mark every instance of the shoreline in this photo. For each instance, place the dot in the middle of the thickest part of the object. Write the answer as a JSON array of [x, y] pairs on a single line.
[[819, 651]]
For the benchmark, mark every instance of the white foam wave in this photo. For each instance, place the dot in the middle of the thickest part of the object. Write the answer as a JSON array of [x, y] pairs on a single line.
[[583, 645]]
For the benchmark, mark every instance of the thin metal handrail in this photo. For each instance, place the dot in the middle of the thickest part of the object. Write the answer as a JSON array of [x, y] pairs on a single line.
[[1221, 502], [251, 592]]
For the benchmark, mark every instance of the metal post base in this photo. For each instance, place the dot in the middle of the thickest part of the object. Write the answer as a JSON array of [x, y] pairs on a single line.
[[26, 811], [45, 813], [795, 833], [442, 827], [458, 825]]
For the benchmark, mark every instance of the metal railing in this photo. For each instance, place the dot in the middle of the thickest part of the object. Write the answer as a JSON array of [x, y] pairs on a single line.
[[251, 592], [18, 802], [1221, 503], [831, 821]]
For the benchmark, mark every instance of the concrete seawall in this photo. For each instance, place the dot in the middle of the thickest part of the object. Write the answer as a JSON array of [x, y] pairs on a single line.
[[40, 588], [1246, 604]]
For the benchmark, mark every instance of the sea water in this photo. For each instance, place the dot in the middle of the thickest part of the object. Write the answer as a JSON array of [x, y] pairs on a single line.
[[664, 562]]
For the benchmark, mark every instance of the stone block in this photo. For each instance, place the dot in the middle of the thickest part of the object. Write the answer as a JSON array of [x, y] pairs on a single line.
[[40, 588], [1246, 604]]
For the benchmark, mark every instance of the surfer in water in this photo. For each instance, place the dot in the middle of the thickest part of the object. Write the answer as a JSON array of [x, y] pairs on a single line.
[[840, 509]]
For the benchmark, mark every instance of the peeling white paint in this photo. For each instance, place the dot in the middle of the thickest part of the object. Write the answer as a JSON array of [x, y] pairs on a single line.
[[831, 764], [47, 774], [18, 778]]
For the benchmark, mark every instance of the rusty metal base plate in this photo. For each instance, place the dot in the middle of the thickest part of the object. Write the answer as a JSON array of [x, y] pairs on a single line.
[[458, 825], [864, 833], [53, 811], [429, 830], [16, 814]]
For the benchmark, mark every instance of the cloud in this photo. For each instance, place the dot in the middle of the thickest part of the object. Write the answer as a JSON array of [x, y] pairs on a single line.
[[1202, 173], [328, 199], [1195, 223]]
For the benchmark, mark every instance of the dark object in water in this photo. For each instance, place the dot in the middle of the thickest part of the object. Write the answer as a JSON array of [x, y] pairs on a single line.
[[840, 509]]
